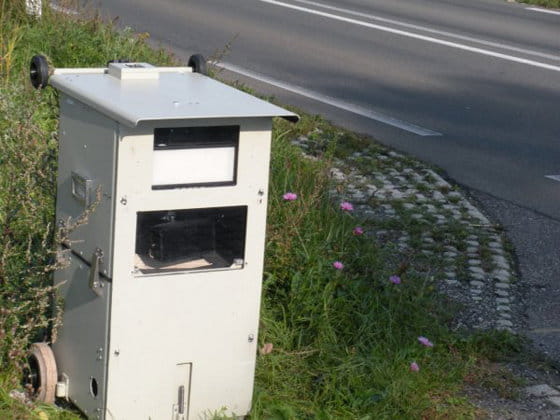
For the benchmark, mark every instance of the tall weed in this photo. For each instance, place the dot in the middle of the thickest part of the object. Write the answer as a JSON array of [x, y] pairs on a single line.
[[28, 154], [27, 183]]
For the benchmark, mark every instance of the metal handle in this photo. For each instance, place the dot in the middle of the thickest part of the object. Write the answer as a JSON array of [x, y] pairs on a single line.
[[94, 283], [181, 400]]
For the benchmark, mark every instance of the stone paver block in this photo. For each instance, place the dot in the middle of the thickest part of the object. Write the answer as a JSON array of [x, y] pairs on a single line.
[[542, 390], [438, 196], [502, 275], [500, 259], [478, 276], [475, 269], [504, 323], [504, 266]]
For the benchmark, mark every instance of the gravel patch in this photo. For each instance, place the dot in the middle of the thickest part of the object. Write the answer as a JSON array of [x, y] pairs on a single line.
[[388, 190]]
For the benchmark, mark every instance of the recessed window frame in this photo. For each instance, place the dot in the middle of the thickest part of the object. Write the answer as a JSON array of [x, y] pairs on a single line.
[[200, 137]]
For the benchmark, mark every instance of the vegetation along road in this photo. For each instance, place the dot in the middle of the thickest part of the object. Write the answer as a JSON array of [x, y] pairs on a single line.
[[472, 87]]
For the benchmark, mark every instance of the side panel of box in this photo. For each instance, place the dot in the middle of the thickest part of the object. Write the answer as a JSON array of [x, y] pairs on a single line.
[[206, 320], [86, 164], [81, 344]]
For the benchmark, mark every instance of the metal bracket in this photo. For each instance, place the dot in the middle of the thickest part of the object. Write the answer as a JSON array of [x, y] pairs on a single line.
[[94, 282], [63, 386], [82, 189]]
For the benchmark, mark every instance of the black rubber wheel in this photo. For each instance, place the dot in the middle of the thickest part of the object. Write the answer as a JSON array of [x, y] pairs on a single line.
[[39, 71], [41, 377], [198, 64], [118, 60]]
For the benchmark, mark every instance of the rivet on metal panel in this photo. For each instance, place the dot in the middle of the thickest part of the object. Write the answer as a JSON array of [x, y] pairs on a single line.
[[261, 192], [124, 201], [100, 353], [117, 352], [251, 338], [85, 146]]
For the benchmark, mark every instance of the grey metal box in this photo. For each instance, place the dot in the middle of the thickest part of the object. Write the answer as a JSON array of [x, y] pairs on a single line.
[[160, 322]]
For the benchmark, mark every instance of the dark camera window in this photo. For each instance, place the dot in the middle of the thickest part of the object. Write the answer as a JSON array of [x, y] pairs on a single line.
[[191, 137], [197, 239]]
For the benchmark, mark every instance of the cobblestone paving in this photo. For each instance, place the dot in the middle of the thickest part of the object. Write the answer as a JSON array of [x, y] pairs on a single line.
[[435, 228]]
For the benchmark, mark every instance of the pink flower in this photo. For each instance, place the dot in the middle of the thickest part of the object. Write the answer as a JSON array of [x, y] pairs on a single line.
[[424, 341], [414, 367], [290, 196], [346, 206], [395, 279], [358, 230], [338, 265]]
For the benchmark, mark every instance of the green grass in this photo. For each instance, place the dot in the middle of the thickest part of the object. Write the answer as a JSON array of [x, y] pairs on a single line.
[[553, 4], [343, 339]]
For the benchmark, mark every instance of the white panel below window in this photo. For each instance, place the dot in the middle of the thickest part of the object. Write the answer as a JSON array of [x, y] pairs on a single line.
[[194, 166]]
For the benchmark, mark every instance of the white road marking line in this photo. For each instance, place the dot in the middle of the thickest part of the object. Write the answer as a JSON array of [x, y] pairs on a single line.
[[430, 30], [62, 9], [346, 106], [417, 36], [538, 9], [553, 177]]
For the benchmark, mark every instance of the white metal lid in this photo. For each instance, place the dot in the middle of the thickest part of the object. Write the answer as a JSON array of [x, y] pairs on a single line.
[[172, 94]]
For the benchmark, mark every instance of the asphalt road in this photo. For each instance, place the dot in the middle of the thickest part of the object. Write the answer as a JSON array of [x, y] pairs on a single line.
[[470, 86]]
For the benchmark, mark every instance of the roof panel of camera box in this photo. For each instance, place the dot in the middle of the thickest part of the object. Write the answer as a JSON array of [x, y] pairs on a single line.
[[170, 96]]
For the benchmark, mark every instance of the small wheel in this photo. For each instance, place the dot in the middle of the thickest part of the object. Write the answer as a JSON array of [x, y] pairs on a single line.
[[118, 60], [39, 71], [198, 64], [42, 375]]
